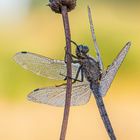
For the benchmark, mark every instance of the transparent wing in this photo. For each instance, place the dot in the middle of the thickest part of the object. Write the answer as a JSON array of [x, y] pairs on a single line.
[[111, 71], [44, 66], [56, 95]]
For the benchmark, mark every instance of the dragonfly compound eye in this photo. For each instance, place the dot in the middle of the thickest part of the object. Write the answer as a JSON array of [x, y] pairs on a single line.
[[85, 49], [82, 49]]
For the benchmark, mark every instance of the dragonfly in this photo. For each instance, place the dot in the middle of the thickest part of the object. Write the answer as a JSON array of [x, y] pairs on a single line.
[[88, 74], [90, 77], [86, 66]]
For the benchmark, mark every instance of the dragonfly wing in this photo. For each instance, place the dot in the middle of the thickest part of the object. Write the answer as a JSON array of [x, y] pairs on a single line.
[[56, 95], [44, 66], [111, 71]]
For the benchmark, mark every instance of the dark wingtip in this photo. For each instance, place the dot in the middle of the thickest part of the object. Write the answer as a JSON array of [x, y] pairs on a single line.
[[24, 52], [36, 89], [31, 97]]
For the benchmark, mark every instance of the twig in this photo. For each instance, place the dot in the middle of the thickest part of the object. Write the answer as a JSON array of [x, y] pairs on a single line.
[[94, 39], [69, 73], [63, 7]]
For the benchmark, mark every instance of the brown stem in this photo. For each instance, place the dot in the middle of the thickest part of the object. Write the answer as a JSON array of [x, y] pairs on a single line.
[[69, 73]]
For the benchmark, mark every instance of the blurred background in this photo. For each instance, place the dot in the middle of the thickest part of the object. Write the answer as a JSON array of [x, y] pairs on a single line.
[[29, 25]]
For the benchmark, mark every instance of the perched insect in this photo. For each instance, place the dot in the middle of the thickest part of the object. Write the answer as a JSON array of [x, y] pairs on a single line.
[[87, 72], [97, 80], [56, 69]]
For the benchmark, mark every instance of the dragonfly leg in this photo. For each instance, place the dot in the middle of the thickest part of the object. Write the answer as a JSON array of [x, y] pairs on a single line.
[[67, 77], [71, 57], [75, 79], [74, 43], [77, 74], [64, 84]]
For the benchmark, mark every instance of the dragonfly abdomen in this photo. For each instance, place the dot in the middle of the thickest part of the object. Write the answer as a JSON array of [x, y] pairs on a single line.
[[103, 113]]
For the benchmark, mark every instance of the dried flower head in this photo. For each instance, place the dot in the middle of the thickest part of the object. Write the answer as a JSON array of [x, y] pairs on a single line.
[[56, 5]]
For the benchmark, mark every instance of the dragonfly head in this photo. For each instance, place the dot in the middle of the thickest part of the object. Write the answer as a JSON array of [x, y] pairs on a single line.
[[81, 50]]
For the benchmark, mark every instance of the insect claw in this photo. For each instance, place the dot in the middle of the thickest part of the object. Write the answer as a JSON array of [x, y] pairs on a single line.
[[60, 85]]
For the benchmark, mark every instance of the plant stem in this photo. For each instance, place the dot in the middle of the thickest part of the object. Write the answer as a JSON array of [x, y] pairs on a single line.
[[69, 72], [94, 39]]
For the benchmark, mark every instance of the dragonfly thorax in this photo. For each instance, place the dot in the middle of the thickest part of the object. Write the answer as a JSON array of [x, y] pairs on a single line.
[[91, 69], [81, 50]]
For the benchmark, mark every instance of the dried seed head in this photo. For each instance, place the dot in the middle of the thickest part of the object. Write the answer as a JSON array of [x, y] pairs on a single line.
[[56, 5]]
